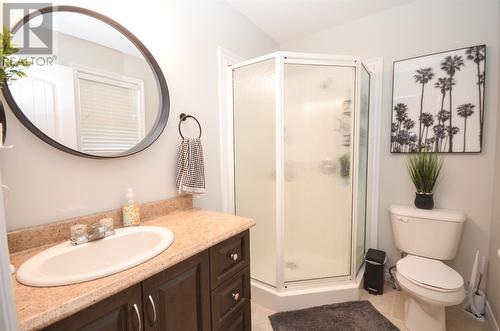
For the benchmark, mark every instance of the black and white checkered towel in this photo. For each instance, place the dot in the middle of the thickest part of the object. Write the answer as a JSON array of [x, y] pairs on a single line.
[[190, 176]]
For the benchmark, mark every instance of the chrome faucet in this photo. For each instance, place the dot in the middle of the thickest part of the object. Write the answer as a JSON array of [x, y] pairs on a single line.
[[80, 234]]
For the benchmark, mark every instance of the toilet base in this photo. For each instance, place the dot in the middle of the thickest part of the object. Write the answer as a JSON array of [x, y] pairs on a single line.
[[421, 316]]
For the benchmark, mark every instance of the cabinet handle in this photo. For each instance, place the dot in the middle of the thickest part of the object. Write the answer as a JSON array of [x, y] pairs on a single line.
[[154, 308], [138, 316], [234, 256], [236, 296]]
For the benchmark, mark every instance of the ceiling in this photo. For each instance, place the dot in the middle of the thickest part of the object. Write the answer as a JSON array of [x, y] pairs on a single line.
[[93, 30], [285, 20]]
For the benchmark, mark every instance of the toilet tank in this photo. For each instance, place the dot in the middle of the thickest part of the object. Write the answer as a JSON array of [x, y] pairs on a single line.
[[429, 233]]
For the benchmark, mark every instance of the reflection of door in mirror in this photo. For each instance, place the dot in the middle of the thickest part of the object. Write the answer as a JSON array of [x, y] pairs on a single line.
[[47, 99]]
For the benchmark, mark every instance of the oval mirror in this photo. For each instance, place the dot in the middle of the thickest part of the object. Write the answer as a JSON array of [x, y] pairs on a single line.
[[98, 93]]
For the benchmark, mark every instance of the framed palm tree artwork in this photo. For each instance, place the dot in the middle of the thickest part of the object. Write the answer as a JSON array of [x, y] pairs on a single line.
[[438, 102]]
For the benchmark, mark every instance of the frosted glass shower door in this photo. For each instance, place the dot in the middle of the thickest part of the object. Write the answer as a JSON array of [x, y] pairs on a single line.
[[318, 112], [362, 165], [254, 161]]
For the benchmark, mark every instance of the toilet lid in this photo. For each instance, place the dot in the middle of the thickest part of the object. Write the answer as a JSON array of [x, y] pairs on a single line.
[[429, 272]]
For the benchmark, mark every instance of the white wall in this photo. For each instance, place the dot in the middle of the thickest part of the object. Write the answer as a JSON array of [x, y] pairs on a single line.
[[418, 28], [48, 185], [493, 279]]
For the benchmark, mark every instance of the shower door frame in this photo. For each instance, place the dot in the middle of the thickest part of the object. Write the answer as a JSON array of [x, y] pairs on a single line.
[[280, 59]]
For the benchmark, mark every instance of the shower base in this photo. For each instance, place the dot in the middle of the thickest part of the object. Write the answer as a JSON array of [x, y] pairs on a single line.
[[306, 295]]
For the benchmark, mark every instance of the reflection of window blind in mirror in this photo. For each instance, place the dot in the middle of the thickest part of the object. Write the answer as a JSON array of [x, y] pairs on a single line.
[[111, 113]]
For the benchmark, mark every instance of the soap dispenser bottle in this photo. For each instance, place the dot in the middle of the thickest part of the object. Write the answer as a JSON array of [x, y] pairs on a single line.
[[130, 210]]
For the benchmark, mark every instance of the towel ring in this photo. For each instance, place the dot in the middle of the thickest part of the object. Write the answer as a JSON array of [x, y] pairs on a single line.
[[184, 117]]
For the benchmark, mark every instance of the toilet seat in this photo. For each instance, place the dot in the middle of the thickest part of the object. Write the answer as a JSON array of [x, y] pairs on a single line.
[[430, 280], [429, 273]]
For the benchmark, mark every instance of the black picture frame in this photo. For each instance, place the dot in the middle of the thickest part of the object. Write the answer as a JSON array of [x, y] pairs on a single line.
[[481, 97]]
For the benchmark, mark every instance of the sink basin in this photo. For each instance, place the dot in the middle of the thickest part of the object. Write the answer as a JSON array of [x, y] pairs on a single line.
[[65, 264]]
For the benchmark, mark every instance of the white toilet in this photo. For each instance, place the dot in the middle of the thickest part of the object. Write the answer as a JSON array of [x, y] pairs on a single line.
[[427, 237]]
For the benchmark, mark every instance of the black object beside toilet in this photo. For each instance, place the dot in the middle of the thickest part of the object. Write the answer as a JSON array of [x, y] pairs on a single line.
[[374, 271]]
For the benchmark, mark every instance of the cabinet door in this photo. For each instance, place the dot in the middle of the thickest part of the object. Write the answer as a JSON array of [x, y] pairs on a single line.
[[178, 299], [120, 312]]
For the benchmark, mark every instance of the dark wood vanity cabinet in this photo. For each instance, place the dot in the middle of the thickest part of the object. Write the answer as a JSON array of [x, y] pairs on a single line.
[[230, 281], [178, 299], [120, 312], [209, 291]]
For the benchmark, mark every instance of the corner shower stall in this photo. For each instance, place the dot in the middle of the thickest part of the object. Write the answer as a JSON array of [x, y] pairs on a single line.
[[300, 158]]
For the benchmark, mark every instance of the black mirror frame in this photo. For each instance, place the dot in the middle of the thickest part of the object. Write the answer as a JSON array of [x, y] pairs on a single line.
[[164, 109]]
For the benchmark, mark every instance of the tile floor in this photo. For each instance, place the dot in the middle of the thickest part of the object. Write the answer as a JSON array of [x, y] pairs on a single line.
[[391, 305], [260, 322]]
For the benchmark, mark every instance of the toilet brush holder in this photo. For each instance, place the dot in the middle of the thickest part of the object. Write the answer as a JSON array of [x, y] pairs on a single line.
[[478, 302]]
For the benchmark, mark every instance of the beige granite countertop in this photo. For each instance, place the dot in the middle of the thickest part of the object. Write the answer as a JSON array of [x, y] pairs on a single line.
[[194, 230]]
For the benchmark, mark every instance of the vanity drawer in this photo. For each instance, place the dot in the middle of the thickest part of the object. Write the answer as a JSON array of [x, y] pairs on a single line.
[[229, 257], [231, 299], [239, 322]]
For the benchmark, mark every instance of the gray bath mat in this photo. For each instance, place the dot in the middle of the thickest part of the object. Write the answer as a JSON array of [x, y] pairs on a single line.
[[346, 316]]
